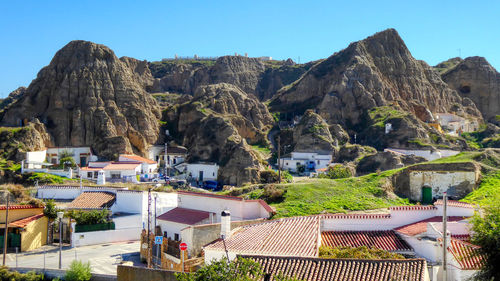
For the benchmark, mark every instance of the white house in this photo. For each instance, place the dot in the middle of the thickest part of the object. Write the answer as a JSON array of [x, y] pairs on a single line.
[[428, 154], [82, 155], [199, 171], [311, 160], [454, 124], [114, 171], [148, 166], [175, 154], [195, 208]]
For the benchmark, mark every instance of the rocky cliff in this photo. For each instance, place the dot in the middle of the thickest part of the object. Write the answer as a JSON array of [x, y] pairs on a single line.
[[476, 79], [217, 125], [312, 133], [87, 96], [377, 71]]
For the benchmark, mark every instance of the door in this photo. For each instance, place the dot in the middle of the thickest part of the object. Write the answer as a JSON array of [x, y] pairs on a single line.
[[200, 177], [83, 161], [426, 195]]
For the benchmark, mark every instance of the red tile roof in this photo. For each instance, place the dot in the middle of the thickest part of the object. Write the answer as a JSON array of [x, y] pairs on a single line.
[[421, 226], [466, 254], [356, 216], [316, 269], [227, 197], [413, 208], [453, 203], [93, 200], [461, 237], [184, 216], [117, 166], [385, 240], [138, 158], [297, 236], [25, 221], [16, 207]]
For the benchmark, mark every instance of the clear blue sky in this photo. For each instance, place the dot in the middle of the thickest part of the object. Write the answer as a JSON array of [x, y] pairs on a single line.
[[32, 31]]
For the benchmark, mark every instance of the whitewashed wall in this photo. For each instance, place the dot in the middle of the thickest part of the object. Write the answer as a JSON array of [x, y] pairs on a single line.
[[106, 236], [439, 181], [209, 170], [427, 154], [214, 205]]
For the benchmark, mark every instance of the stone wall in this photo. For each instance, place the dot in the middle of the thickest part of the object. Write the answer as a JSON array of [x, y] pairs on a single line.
[[457, 183], [132, 273]]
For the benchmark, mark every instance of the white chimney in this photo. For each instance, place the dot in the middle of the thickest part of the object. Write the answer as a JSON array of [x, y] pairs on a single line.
[[101, 177], [225, 224]]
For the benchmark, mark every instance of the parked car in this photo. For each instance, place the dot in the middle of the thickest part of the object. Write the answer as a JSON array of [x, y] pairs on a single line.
[[178, 183], [212, 185], [162, 179]]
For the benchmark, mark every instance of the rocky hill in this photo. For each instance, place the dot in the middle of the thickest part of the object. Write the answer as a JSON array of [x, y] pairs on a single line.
[[476, 79], [217, 125], [377, 71], [87, 96]]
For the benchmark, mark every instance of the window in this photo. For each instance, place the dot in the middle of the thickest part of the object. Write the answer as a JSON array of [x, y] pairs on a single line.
[[318, 162], [213, 174], [176, 237], [286, 163], [95, 174], [165, 234], [89, 175], [115, 175]]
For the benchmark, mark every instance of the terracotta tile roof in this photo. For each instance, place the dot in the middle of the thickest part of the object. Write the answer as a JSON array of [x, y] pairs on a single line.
[[316, 269], [117, 166], [16, 207], [466, 254], [461, 237], [25, 221], [91, 188], [453, 203], [138, 158], [356, 216], [385, 240], [227, 197], [413, 208], [184, 216], [421, 226], [296, 236], [93, 200]]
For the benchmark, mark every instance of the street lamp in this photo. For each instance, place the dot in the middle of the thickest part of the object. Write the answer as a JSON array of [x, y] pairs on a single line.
[[60, 216]]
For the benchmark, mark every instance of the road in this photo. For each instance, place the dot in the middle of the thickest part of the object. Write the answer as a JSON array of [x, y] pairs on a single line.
[[103, 258]]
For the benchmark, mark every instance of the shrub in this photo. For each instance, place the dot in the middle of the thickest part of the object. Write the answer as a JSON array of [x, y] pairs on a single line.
[[50, 209], [273, 193], [362, 252], [5, 274], [78, 271], [268, 176], [89, 217], [337, 171], [43, 178]]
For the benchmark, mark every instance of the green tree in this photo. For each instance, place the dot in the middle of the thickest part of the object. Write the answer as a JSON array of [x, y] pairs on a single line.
[[50, 209], [337, 171], [486, 234]]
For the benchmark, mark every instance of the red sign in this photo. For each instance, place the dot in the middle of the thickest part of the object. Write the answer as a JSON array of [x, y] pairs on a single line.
[[183, 246]]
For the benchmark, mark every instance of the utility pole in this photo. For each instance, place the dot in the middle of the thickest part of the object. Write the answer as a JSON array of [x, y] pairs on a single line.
[[279, 160], [149, 228], [166, 159], [6, 228], [445, 236]]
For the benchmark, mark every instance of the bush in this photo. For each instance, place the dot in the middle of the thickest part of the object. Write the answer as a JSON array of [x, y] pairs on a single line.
[[268, 176], [286, 176], [78, 271], [89, 217], [273, 194], [362, 252], [337, 171], [50, 209], [43, 178], [5, 274]]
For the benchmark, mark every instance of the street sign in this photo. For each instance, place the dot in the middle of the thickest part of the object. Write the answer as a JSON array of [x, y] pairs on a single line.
[[183, 246], [158, 240]]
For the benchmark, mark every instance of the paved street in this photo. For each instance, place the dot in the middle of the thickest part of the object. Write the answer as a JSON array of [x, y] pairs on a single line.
[[103, 258]]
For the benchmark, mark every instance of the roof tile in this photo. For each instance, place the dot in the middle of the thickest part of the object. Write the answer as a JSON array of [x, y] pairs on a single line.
[[385, 240], [25, 221], [184, 216], [93, 200], [466, 254], [316, 269], [133, 157], [421, 226], [453, 203], [297, 236]]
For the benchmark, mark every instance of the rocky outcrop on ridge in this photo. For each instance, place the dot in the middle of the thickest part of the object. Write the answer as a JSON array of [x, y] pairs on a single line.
[[312, 133], [383, 161], [377, 71], [13, 97], [476, 79], [217, 125], [86, 96]]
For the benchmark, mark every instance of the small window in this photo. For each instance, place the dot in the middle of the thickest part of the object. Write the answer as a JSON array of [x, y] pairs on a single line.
[[176, 237], [89, 175], [165, 234], [318, 162], [115, 175], [95, 174], [213, 174], [286, 163]]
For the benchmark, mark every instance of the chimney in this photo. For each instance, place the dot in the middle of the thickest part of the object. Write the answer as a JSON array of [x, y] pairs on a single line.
[[225, 224]]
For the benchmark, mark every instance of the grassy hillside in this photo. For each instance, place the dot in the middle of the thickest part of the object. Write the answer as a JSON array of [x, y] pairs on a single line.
[[313, 196], [488, 191]]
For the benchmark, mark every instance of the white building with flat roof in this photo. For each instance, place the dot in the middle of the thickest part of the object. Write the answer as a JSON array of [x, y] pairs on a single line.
[[311, 160]]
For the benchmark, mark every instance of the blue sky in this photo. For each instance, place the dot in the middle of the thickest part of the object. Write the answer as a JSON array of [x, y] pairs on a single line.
[[32, 31]]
